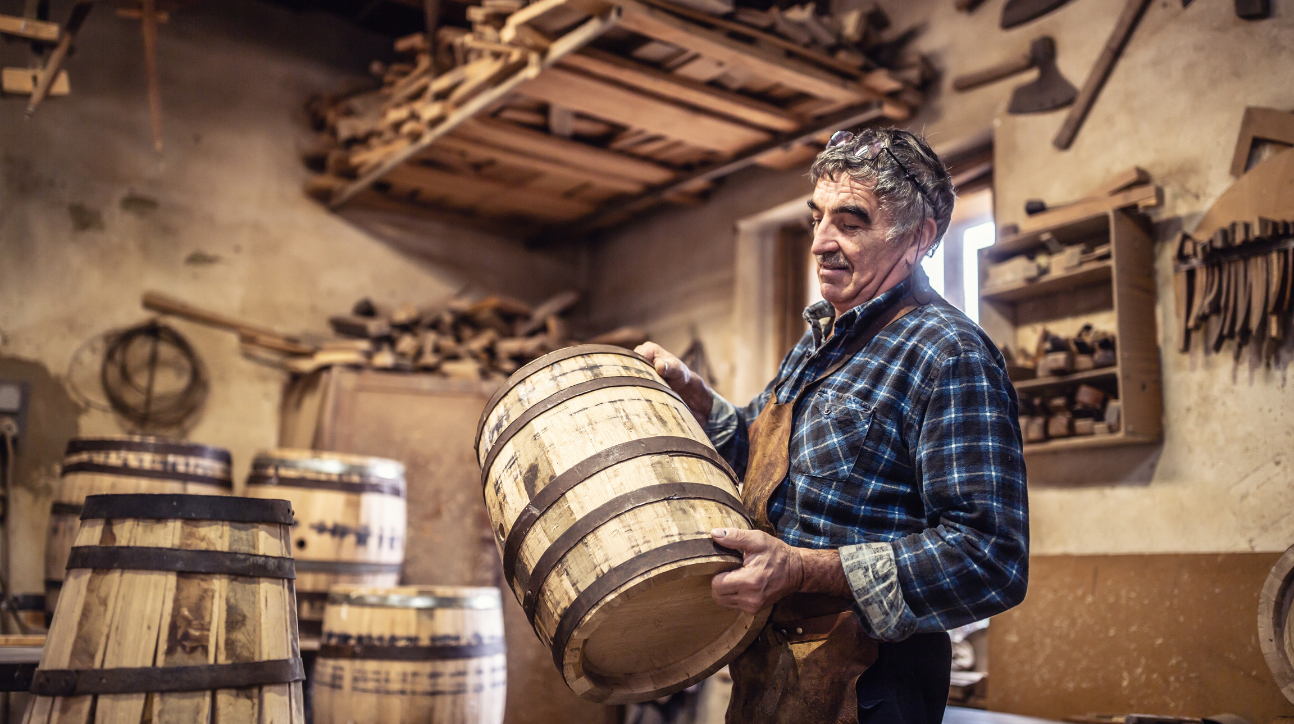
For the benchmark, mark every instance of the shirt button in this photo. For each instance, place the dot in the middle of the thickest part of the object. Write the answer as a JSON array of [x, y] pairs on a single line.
[[799, 630]]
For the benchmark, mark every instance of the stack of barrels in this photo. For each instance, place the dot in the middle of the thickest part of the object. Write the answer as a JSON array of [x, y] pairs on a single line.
[[152, 563]]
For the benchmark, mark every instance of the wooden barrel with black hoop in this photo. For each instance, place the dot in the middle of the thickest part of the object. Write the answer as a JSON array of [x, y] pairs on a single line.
[[350, 520], [125, 464], [175, 608], [602, 490], [411, 655]]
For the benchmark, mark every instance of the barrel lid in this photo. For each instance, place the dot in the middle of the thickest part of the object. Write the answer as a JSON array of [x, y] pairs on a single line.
[[330, 463], [537, 364], [172, 506], [147, 444], [416, 597]]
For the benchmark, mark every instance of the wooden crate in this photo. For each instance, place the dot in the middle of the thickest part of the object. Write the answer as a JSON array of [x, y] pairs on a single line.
[[1117, 294], [428, 423]]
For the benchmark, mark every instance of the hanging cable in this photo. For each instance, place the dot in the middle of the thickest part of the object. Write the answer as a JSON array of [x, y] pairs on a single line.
[[153, 378]]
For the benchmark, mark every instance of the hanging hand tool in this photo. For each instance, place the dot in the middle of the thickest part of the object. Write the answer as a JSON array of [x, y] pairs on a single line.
[[50, 71], [149, 23], [1019, 12], [1047, 92], [1128, 20]]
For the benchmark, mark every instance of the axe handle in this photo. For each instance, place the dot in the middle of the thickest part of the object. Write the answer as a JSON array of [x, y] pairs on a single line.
[[1128, 20], [992, 73]]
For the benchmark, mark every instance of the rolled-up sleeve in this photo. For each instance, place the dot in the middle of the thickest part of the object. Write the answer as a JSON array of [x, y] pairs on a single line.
[[728, 427], [968, 460]]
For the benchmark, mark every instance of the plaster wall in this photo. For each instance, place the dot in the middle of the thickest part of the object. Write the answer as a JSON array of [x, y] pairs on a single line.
[[1221, 481], [91, 217]]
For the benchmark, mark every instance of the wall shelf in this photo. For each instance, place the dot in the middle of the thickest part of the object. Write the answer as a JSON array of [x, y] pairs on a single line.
[[1052, 381], [1117, 292], [1096, 272]]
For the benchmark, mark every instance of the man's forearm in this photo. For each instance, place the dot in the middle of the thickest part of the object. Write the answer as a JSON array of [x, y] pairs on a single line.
[[822, 572]]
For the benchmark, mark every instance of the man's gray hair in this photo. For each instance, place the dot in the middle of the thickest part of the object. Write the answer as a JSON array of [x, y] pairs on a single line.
[[899, 197]]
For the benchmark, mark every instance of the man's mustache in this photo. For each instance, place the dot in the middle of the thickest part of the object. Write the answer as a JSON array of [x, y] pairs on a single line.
[[832, 260]]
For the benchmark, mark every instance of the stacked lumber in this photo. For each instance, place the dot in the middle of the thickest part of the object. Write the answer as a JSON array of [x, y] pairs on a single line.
[[458, 338], [559, 110]]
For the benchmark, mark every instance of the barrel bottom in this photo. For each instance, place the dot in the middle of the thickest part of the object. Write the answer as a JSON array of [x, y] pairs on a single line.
[[655, 635]]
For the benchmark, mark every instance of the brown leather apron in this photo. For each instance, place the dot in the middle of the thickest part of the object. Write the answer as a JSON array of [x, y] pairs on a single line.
[[803, 666]]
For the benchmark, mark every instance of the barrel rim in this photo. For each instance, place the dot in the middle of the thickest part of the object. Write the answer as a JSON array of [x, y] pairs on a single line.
[[149, 444], [539, 363], [179, 506], [330, 463]]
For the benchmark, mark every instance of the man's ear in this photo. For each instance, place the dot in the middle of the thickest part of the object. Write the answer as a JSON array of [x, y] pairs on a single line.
[[926, 237]]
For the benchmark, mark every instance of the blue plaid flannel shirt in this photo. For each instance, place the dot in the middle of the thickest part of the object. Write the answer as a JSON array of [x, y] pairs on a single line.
[[908, 459]]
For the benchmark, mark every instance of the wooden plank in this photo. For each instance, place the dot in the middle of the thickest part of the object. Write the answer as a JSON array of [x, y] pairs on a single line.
[[614, 103], [544, 165], [1129, 177], [485, 195], [1140, 196], [671, 85], [560, 150], [536, 11], [27, 28], [1264, 123], [793, 73], [568, 43], [22, 81]]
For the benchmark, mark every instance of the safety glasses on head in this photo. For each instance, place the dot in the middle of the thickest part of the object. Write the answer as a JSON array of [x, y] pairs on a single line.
[[870, 153]]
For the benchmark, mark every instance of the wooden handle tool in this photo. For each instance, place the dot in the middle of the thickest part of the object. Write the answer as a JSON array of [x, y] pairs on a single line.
[[993, 73], [1128, 20], [50, 71], [247, 333]]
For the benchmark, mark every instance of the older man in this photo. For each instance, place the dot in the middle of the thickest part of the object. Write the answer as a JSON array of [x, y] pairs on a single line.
[[883, 464]]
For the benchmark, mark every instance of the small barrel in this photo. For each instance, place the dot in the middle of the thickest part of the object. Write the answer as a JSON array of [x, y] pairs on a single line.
[[602, 490], [1276, 622], [175, 608], [124, 464], [411, 655], [350, 520]]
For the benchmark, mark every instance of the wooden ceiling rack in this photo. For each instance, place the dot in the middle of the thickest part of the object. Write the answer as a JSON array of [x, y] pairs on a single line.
[[533, 124]]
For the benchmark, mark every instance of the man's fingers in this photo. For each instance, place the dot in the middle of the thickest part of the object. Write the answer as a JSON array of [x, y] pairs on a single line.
[[746, 541]]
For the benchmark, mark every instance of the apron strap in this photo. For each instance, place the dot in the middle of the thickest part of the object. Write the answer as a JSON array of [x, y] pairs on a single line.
[[770, 434]]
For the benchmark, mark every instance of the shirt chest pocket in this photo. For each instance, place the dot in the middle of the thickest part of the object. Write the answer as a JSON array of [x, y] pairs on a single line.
[[831, 435]]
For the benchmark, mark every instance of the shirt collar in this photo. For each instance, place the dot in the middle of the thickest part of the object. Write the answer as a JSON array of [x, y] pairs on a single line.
[[820, 314]]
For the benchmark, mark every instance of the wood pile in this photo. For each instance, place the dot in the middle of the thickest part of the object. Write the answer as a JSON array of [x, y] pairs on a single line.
[[488, 338], [558, 110]]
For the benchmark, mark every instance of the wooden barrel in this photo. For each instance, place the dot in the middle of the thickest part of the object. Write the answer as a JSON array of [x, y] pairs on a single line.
[[411, 655], [350, 520], [602, 490], [1276, 622], [175, 608], [124, 464]]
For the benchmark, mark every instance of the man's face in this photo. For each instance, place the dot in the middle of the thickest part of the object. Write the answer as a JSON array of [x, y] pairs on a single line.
[[855, 261]]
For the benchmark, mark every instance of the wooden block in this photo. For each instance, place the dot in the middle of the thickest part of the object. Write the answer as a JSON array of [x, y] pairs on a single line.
[[29, 28], [554, 305], [366, 327], [22, 81], [602, 100], [461, 369]]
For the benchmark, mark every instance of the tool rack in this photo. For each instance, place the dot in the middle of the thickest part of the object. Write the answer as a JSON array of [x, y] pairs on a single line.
[[1116, 294]]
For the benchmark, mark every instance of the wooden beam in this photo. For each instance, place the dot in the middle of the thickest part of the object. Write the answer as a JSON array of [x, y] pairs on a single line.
[[615, 103], [560, 150], [537, 10], [485, 195], [22, 81], [622, 210], [686, 90], [568, 43], [790, 72], [30, 29], [543, 165], [1139, 196]]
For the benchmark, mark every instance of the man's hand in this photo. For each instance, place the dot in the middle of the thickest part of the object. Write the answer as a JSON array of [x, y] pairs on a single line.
[[772, 570], [694, 391]]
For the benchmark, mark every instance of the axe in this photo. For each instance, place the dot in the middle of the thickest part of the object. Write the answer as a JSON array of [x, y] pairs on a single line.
[[1047, 92]]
